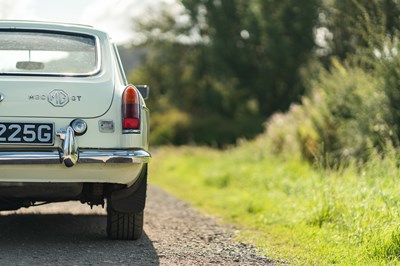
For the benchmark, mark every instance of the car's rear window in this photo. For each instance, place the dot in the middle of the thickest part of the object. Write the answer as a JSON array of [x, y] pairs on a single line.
[[47, 53]]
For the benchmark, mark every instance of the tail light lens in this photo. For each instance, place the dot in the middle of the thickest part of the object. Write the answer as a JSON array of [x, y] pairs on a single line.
[[130, 109]]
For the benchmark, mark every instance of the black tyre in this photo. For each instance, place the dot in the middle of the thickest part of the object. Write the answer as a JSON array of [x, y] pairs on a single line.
[[124, 226], [127, 223]]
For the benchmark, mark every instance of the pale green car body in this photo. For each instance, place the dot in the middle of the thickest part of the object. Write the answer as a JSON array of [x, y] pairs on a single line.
[[103, 159]]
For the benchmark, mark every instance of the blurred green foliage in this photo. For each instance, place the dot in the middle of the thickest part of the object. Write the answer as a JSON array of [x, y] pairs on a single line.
[[347, 116], [359, 25], [324, 74], [232, 64], [352, 110]]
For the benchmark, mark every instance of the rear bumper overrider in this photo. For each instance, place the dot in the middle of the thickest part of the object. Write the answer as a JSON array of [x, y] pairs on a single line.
[[70, 154]]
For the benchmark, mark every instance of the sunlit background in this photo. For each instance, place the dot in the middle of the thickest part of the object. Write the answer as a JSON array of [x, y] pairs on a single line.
[[113, 16], [297, 101]]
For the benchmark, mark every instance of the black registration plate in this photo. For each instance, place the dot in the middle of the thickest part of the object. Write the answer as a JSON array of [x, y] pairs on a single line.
[[27, 133]]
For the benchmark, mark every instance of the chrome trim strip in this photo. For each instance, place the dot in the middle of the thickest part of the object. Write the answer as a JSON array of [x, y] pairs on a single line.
[[86, 156], [131, 131], [114, 156], [30, 157]]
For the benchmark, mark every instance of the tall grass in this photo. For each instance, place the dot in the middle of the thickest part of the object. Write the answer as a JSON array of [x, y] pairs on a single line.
[[291, 209], [347, 115]]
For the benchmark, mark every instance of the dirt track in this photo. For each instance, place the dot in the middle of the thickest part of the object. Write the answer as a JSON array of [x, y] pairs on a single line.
[[73, 234]]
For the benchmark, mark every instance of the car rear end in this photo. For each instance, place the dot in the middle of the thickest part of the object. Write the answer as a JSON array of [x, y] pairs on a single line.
[[71, 128]]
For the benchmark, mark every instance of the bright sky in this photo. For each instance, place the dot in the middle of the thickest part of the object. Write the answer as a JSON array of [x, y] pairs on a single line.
[[113, 16]]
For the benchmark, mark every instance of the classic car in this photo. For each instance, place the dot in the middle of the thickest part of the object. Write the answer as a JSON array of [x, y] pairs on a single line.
[[71, 126]]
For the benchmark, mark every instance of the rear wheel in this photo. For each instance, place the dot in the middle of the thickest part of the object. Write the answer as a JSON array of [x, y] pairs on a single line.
[[127, 223], [124, 226]]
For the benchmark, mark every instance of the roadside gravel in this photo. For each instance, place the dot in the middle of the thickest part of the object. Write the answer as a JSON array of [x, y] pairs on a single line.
[[73, 234], [183, 236]]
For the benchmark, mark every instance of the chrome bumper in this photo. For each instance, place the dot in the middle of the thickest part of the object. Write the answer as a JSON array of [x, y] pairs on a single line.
[[69, 154]]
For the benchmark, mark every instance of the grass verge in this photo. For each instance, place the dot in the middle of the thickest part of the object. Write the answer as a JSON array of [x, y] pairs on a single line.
[[292, 211]]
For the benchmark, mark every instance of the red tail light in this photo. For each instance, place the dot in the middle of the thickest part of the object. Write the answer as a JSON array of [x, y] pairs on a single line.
[[130, 109]]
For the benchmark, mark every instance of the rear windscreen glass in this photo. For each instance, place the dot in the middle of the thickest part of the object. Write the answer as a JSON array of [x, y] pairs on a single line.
[[24, 52]]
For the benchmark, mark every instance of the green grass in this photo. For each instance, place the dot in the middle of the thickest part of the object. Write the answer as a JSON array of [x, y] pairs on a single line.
[[293, 211]]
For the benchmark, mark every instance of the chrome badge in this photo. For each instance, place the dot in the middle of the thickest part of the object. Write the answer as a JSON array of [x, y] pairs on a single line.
[[1, 97], [58, 98]]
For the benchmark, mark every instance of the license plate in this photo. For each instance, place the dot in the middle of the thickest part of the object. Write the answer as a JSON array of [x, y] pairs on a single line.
[[27, 133]]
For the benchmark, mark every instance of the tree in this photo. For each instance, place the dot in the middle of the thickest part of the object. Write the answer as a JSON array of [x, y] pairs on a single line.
[[263, 44], [360, 26], [241, 64]]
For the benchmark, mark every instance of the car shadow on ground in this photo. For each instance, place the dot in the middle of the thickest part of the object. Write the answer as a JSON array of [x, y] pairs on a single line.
[[65, 239]]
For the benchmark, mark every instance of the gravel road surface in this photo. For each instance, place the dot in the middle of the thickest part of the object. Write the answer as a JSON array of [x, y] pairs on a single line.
[[73, 234]]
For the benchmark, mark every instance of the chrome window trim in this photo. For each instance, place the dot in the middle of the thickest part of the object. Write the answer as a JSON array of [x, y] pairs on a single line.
[[119, 64], [65, 32]]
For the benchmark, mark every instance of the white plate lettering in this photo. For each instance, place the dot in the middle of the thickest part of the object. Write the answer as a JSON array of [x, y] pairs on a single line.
[[27, 133]]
